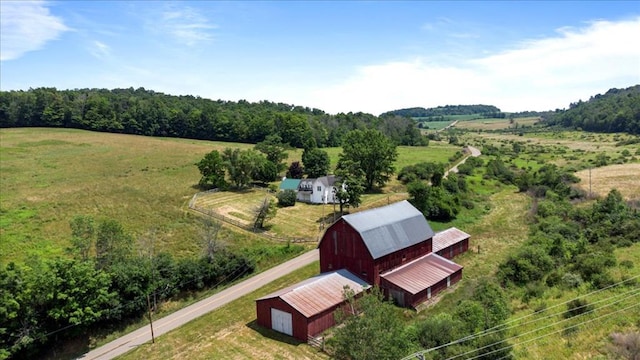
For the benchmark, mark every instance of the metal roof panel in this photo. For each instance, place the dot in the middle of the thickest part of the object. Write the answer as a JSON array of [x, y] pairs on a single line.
[[390, 228], [446, 238], [421, 273], [319, 293]]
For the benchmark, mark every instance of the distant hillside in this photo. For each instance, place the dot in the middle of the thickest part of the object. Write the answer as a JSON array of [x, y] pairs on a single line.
[[146, 112], [444, 111], [618, 110]]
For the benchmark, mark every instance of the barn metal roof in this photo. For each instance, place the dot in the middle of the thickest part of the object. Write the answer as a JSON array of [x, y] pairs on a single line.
[[446, 238], [319, 293], [390, 228], [421, 273]]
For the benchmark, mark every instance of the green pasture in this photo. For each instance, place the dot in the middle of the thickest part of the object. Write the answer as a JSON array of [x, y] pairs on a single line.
[[48, 176]]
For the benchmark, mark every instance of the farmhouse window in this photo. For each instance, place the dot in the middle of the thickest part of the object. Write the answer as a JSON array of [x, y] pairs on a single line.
[[319, 188]]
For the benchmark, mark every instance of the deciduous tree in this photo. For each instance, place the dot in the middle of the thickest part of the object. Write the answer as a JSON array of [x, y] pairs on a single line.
[[373, 152], [212, 169]]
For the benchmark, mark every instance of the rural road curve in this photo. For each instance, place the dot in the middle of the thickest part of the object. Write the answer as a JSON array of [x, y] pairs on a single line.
[[474, 152], [160, 326]]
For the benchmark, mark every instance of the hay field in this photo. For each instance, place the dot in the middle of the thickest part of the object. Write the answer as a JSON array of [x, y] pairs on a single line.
[[496, 124], [624, 177], [48, 176]]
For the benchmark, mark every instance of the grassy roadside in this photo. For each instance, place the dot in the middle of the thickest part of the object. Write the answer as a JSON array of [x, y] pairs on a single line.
[[230, 332]]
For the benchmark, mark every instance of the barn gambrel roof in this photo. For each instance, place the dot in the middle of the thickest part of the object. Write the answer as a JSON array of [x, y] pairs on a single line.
[[390, 228]]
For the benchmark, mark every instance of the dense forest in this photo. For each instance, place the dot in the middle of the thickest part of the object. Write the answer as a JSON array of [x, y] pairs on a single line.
[[146, 112], [618, 110], [444, 111]]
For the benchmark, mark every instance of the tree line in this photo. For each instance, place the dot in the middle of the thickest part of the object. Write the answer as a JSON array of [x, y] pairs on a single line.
[[104, 285], [444, 110], [146, 112], [618, 110]]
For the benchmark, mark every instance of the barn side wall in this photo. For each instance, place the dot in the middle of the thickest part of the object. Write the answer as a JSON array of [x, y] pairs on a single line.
[[455, 249], [298, 321], [342, 247], [413, 300]]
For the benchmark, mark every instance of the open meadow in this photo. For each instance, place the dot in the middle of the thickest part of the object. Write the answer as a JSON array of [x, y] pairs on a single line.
[[495, 124], [48, 176]]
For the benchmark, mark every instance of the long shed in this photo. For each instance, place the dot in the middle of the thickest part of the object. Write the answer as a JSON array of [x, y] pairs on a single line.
[[307, 308], [420, 279], [451, 242]]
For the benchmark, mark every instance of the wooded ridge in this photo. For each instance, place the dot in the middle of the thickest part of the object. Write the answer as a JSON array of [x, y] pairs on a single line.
[[146, 112]]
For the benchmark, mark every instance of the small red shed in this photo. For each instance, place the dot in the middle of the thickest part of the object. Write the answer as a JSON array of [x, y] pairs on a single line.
[[307, 308], [420, 279], [451, 242]]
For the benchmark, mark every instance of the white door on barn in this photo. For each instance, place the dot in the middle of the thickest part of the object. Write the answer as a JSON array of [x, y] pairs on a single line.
[[281, 321]]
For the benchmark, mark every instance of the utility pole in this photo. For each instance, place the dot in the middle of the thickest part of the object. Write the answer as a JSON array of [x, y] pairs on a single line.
[[590, 194], [153, 339]]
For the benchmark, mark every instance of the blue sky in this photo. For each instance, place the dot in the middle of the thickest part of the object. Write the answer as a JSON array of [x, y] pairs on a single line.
[[332, 55]]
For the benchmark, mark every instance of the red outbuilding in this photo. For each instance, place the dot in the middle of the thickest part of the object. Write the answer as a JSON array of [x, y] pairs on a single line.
[[450, 243], [307, 308]]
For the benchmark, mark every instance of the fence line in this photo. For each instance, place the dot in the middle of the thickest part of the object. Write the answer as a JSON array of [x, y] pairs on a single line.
[[211, 213]]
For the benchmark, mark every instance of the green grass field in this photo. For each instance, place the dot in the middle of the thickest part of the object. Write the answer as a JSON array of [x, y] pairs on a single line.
[[48, 176]]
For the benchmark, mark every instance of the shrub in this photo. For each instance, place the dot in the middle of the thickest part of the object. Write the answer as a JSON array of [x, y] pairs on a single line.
[[571, 280], [577, 307], [286, 198]]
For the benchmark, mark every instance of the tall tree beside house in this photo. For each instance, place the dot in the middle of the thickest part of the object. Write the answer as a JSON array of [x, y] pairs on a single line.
[[350, 187], [295, 170], [316, 162], [373, 153], [212, 169]]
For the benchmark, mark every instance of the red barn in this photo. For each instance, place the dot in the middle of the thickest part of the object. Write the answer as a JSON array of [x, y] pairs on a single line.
[[306, 309], [391, 247], [450, 243], [371, 242]]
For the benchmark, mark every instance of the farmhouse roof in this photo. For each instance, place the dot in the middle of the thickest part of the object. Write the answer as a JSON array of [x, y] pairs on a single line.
[[328, 180], [421, 273], [319, 293], [390, 228], [446, 238], [289, 184]]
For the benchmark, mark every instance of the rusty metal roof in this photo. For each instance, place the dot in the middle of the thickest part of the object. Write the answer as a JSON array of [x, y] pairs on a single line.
[[446, 238], [421, 273], [319, 293], [390, 228]]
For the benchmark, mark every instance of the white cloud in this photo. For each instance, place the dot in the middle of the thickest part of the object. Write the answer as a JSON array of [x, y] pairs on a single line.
[[26, 26], [99, 49], [185, 25], [539, 74]]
